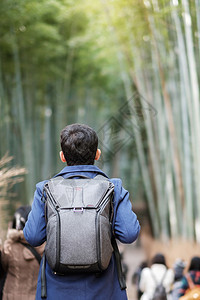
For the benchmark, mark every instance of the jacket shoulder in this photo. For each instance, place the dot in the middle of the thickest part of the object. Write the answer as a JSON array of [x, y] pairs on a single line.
[[117, 183], [40, 185]]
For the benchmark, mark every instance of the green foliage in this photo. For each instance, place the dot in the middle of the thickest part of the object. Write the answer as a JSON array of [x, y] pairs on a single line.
[[53, 65], [64, 62]]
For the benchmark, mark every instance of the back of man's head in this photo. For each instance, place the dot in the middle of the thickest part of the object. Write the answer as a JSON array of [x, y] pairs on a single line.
[[79, 144]]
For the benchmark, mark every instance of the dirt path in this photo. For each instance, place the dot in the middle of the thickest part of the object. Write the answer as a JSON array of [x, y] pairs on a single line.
[[133, 256]]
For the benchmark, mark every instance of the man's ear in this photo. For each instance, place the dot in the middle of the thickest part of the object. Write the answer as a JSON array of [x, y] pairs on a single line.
[[98, 154], [62, 157]]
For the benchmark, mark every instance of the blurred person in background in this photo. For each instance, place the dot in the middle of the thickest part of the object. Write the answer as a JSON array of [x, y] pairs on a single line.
[[156, 274], [19, 261], [178, 267], [2, 274], [193, 274], [136, 277]]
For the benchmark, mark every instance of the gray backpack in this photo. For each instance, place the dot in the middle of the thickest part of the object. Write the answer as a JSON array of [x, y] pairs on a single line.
[[79, 215], [159, 292]]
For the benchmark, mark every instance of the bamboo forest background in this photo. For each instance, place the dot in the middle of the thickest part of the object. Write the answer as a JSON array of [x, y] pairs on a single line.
[[129, 69]]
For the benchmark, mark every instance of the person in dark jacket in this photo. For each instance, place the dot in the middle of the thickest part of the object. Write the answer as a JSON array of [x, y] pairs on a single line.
[[178, 267], [79, 144], [194, 273], [136, 278]]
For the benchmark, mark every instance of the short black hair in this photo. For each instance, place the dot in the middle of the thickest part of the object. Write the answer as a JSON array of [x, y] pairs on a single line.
[[159, 258], [194, 264], [79, 144]]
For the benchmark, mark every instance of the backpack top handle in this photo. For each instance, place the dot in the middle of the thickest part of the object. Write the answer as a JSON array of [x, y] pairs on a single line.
[[77, 175]]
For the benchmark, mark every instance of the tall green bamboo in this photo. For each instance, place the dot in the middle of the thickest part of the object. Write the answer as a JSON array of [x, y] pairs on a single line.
[[137, 134], [195, 107], [186, 121]]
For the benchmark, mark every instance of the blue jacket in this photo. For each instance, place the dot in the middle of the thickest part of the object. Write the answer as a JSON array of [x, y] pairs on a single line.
[[84, 286]]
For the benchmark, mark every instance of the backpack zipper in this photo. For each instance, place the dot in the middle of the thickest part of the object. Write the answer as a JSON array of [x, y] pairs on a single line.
[[105, 200], [108, 193], [52, 200], [98, 210]]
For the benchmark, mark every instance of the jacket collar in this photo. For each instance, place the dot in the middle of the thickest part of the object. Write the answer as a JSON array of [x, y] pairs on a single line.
[[81, 169]]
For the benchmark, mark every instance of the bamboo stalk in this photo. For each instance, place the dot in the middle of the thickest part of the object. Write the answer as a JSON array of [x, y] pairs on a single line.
[[195, 108], [139, 146], [186, 124]]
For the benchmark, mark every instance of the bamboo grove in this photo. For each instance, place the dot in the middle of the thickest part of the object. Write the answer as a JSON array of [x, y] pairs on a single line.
[[128, 68]]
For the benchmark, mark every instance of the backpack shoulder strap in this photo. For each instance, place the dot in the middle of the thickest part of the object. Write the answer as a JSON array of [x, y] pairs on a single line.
[[190, 281], [154, 278], [43, 278], [33, 251], [117, 256], [164, 276]]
